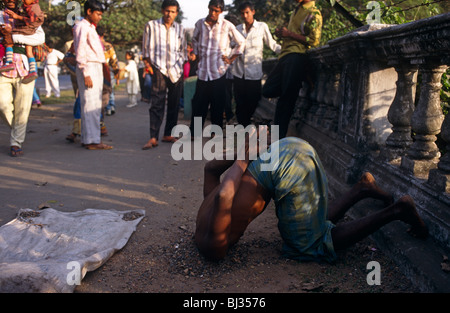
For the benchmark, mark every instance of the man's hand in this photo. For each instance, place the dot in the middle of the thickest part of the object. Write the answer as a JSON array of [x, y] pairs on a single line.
[[228, 60], [88, 82], [282, 32], [13, 14], [248, 151], [285, 33]]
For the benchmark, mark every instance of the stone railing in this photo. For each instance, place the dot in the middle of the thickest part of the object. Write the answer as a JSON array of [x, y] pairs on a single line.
[[363, 112]]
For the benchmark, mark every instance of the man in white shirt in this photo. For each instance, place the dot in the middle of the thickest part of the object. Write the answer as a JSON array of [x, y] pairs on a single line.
[[164, 46], [247, 69], [51, 69], [211, 44]]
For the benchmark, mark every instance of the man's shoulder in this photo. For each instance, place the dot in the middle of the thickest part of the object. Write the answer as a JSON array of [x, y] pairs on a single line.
[[227, 22], [200, 22], [314, 10], [178, 26], [81, 24], [260, 24]]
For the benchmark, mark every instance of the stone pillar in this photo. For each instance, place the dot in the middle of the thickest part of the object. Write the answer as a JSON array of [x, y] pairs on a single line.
[[401, 111], [439, 178], [321, 86], [426, 122], [331, 115]]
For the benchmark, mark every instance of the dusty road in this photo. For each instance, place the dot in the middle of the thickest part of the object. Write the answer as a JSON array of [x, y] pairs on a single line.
[[160, 257]]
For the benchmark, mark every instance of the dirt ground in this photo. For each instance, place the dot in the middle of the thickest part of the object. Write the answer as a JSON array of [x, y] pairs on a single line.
[[160, 256]]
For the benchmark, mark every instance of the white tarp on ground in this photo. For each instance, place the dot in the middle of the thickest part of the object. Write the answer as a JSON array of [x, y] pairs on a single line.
[[51, 251]]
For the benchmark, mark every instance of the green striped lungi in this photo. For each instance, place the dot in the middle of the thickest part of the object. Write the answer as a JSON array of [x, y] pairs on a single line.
[[299, 188]]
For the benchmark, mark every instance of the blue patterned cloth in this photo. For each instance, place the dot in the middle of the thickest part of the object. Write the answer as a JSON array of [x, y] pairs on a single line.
[[299, 188]]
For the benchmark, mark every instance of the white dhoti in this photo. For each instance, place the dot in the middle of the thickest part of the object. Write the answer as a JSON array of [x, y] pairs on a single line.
[[91, 103], [51, 80]]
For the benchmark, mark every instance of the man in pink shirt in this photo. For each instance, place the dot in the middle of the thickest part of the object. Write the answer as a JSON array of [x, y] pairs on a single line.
[[90, 57]]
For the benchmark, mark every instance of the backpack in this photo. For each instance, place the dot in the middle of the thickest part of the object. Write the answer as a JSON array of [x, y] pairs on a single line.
[[40, 52]]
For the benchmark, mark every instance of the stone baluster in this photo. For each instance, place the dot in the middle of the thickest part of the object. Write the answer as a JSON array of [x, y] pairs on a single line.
[[321, 86], [313, 105], [401, 110], [426, 122], [331, 99], [439, 178]]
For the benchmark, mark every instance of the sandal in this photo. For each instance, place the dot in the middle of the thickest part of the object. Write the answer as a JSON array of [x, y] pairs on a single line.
[[72, 137], [16, 151], [150, 144], [169, 139], [98, 146]]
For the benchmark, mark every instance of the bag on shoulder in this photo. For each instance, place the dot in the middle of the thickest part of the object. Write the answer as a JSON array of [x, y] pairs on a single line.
[[40, 52]]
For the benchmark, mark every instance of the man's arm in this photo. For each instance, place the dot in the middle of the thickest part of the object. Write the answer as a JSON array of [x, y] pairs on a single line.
[[217, 221], [269, 41], [80, 44], [311, 38], [215, 237], [238, 41], [146, 41], [196, 40], [285, 33]]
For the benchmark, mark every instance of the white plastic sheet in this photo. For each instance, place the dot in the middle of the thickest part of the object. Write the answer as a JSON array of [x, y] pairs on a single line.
[[51, 251]]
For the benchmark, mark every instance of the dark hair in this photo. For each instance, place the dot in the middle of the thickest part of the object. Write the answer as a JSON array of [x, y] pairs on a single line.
[[170, 3], [94, 5], [50, 44], [217, 3], [100, 30], [130, 53], [245, 5]]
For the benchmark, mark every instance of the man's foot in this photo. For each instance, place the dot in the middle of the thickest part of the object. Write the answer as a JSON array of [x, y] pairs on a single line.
[[408, 214], [72, 137], [367, 187], [7, 68], [150, 144], [16, 151], [29, 78], [98, 146], [169, 139], [131, 105]]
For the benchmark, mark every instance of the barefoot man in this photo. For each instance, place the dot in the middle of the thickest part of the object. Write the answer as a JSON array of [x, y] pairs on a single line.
[[299, 188]]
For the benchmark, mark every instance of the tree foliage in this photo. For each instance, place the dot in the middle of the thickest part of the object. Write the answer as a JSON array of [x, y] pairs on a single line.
[[124, 21]]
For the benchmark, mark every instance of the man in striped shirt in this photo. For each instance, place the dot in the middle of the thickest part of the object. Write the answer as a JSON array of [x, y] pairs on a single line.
[[164, 46], [212, 45]]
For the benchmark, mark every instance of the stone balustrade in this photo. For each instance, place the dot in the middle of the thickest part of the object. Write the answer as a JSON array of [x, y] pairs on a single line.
[[374, 105]]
